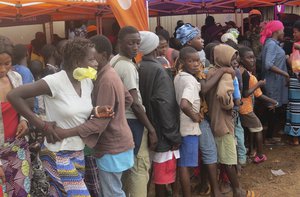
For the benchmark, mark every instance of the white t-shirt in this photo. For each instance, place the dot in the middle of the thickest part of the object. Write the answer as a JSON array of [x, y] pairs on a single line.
[[130, 78], [187, 87], [67, 108]]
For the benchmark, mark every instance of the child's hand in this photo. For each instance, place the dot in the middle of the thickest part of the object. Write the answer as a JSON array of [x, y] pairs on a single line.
[[273, 106], [104, 112], [262, 83]]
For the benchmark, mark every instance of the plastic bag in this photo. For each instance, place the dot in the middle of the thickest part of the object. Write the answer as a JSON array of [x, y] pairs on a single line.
[[295, 61]]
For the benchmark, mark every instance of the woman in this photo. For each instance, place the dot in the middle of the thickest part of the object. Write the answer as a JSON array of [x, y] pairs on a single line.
[[68, 104], [274, 70], [14, 154]]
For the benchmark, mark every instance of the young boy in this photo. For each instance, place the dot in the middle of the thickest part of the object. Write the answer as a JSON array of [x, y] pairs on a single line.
[[252, 87], [220, 105], [187, 90], [190, 36], [159, 99], [135, 179]]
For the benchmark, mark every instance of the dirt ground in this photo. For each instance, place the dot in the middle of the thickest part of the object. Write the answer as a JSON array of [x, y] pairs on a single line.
[[260, 179]]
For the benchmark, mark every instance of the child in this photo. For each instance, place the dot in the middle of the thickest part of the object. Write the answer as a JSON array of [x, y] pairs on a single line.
[[158, 95], [20, 63], [187, 90], [220, 105], [252, 87]]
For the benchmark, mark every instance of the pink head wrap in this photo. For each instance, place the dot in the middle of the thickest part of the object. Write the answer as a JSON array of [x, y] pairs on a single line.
[[269, 29]]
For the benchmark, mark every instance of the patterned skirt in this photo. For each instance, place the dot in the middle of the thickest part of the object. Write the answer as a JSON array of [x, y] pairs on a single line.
[[15, 158], [65, 170]]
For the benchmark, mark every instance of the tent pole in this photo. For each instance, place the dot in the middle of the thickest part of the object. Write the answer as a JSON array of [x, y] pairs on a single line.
[[242, 19], [97, 24], [51, 31], [235, 16], [100, 24]]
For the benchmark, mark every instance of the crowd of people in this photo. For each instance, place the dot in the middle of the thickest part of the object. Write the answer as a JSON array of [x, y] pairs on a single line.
[[78, 120]]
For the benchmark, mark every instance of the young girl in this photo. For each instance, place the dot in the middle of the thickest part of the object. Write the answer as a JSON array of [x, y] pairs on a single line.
[[14, 153], [252, 87]]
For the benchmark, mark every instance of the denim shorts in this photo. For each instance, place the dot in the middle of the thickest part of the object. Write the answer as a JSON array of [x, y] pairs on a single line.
[[207, 144], [189, 151]]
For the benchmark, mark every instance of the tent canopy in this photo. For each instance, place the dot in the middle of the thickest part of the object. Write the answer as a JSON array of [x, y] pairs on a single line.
[[178, 7]]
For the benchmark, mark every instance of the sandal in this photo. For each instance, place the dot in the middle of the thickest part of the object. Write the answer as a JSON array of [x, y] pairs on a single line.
[[259, 159], [207, 192]]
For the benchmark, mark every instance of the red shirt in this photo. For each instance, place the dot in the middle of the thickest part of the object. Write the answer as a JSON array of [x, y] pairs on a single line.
[[10, 121]]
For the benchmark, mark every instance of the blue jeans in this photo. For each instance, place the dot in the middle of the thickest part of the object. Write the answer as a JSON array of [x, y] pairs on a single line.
[[111, 184], [239, 135]]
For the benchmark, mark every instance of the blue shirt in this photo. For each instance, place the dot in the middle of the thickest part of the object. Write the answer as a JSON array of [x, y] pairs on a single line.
[[274, 55], [26, 74], [116, 162]]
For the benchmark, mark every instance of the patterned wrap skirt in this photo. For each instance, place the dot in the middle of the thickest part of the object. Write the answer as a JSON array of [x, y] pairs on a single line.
[[65, 170], [15, 157]]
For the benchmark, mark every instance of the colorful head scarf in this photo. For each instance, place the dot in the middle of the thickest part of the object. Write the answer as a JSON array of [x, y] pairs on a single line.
[[269, 29], [186, 33]]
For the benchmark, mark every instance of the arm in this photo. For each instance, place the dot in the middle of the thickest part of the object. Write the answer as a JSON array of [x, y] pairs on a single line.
[[17, 97], [128, 99], [270, 58], [139, 112], [207, 84], [267, 99], [250, 91], [187, 109]]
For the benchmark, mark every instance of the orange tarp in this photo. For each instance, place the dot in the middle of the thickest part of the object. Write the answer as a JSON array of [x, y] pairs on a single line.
[[127, 12]]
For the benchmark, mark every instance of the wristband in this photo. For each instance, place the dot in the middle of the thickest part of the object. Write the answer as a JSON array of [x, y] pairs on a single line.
[[96, 111]]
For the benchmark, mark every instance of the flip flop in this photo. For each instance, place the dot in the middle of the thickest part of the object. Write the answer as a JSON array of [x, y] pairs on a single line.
[[250, 193]]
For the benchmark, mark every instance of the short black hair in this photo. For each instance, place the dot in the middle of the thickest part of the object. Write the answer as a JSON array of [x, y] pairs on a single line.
[[6, 46], [185, 51], [208, 49], [125, 31], [49, 51], [75, 51], [165, 34], [243, 50], [19, 53], [102, 44], [36, 68], [297, 25]]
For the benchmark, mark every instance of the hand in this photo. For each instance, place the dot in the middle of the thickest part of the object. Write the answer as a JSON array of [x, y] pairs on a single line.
[[152, 139], [22, 129], [2, 174], [104, 112], [175, 147], [262, 83], [49, 132], [273, 106]]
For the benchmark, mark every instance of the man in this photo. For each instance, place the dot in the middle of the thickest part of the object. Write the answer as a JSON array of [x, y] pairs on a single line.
[[136, 179], [159, 98]]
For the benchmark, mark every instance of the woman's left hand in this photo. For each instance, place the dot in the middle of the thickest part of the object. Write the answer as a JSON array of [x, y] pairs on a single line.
[[22, 129]]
